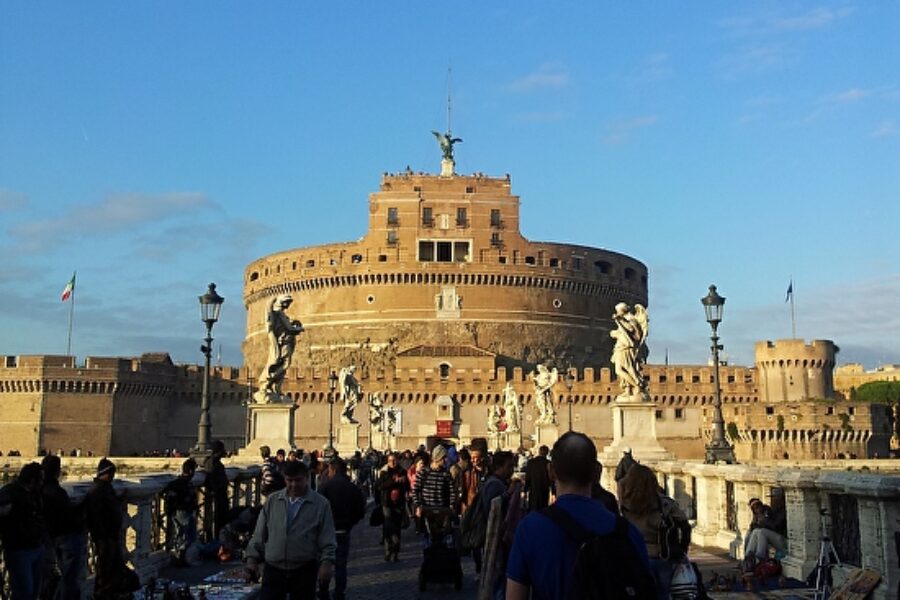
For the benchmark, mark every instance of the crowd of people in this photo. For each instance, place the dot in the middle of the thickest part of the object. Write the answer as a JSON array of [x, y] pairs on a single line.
[[555, 521]]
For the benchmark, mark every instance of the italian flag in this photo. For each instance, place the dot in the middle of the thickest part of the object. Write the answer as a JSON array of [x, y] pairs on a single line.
[[69, 289]]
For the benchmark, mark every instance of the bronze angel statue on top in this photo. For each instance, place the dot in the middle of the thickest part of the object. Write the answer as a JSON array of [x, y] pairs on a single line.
[[446, 141]]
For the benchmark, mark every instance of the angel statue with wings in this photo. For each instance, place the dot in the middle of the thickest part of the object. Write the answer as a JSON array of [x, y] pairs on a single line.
[[282, 332], [350, 393], [632, 327], [446, 141]]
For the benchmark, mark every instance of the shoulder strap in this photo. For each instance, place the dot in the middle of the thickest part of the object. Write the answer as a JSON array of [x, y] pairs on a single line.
[[567, 523]]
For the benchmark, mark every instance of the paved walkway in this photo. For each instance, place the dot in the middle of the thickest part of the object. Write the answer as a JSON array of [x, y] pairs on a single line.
[[371, 578]]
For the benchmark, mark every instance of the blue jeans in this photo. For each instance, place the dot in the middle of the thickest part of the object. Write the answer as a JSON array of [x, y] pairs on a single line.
[[24, 568], [71, 553], [662, 573]]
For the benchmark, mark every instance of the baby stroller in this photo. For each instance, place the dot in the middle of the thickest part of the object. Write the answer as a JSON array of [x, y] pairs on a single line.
[[440, 561]]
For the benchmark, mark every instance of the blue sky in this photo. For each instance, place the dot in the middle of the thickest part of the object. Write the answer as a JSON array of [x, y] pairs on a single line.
[[155, 147]]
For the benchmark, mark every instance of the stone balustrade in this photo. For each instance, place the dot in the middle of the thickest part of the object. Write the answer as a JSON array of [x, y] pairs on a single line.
[[863, 511], [145, 524]]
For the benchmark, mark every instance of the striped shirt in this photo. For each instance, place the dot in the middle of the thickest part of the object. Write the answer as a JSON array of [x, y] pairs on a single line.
[[434, 488]]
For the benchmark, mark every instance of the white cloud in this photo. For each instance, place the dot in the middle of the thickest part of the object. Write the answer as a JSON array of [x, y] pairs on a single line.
[[830, 102], [548, 75], [620, 131], [753, 59], [655, 67], [781, 23], [814, 19], [886, 128], [115, 214]]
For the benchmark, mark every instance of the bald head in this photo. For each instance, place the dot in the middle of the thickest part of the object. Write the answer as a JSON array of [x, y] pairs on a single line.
[[574, 459]]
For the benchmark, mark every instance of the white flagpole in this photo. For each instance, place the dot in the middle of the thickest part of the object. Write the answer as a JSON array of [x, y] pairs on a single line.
[[71, 318]]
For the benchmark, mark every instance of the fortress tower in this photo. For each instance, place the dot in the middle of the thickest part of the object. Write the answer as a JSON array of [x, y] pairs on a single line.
[[792, 370], [443, 262]]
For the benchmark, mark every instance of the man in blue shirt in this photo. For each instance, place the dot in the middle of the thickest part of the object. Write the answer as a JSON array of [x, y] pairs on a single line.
[[543, 556]]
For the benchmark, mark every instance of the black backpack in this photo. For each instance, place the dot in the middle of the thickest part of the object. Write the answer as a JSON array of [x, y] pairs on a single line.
[[674, 535], [607, 566], [473, 525]]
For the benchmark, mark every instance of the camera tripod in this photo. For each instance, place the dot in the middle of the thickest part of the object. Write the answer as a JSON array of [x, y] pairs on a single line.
[[828, 557]]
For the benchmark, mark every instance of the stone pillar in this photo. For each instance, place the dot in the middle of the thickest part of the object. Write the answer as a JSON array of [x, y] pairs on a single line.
[[546, 434], [634, 426], [271, 425], [347, 441], [710, 505], [744, 490], [803, 522]]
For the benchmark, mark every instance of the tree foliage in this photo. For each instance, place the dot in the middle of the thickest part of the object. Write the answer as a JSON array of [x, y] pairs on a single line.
[[878, 392]]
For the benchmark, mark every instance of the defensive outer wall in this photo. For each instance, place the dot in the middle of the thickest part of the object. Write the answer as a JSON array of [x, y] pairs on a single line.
[[443, 262]]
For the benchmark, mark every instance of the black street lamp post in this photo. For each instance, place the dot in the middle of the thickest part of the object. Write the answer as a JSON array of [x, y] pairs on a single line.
[[332, 386], [210, 306], [718, 449], [569, 381]]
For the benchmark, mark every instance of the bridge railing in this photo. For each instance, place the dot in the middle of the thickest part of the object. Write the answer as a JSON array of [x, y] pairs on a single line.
[[863, 512], [146, 527]]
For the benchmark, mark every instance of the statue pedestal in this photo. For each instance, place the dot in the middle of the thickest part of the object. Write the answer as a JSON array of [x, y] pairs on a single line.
[[546, 435], [506, 440], [634, 426], [379, 440], [271, 425], [347, 439], [447, 167]]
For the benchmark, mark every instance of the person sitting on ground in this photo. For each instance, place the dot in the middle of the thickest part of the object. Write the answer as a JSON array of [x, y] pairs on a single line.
[[646, 508], [543, 556], [768, 527]]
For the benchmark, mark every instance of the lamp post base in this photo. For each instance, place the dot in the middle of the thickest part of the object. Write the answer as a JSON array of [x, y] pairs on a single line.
[[721, 452]]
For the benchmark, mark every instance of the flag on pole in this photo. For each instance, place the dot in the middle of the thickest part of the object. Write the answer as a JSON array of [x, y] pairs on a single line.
[[790, 291], [69, 289]]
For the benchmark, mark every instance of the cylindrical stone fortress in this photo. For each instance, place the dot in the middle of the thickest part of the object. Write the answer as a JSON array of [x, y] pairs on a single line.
[[444, 262]]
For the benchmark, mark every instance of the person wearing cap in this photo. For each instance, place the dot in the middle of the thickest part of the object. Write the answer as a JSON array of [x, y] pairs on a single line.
[[768, 527], [103, 511], [434, 484]]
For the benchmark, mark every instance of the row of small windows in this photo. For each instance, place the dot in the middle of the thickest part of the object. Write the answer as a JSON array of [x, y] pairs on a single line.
[[815, 364], [84, 387], [575, 287], [460, 251], [525, 398]]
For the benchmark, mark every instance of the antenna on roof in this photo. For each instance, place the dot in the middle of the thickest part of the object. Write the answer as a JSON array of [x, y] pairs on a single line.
[[449, 96]]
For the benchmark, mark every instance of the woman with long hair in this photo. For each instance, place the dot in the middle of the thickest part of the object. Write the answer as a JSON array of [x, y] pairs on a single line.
[[644, 506]]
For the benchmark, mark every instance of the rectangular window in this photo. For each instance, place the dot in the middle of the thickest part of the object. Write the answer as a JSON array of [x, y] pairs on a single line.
[[576, 263], [662, 378], [426, 251], [427, 218], [679, 379], [461, 251], [770, 410], [679, 413], [444, 252], [495, 217], [495, 239], [554, 262], [392, 216], [392, 237], [695, 379], [461, 217]]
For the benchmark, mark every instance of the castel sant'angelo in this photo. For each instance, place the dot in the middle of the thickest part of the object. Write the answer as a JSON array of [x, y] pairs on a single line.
[[445, 310], [443, 303]]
